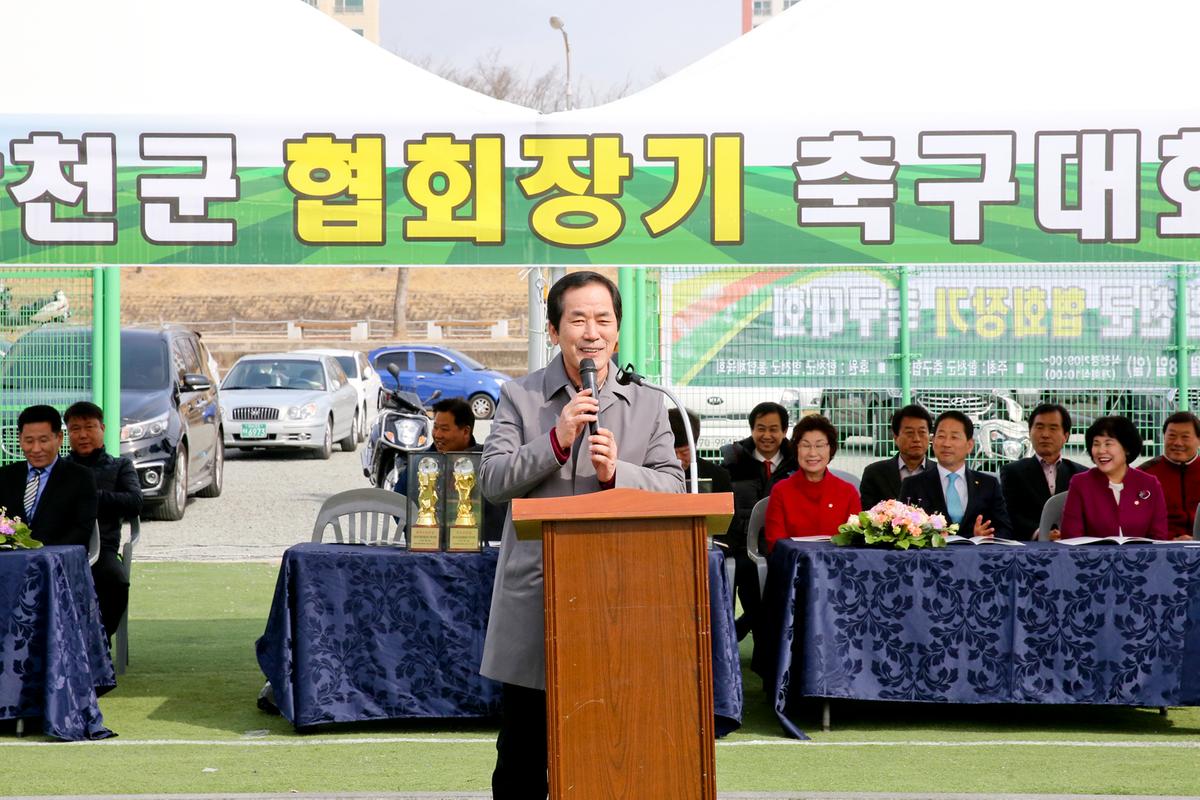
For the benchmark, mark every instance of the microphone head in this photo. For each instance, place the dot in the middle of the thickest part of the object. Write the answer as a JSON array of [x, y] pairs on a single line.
[[587, 365]]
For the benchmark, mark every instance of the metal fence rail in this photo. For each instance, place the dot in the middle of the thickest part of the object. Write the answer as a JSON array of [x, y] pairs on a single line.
[[992, 340]]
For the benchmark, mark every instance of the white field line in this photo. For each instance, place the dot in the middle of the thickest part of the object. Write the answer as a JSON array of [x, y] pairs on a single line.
[[309, 742]]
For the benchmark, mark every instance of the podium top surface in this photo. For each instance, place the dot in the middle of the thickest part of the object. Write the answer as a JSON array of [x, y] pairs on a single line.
[[529, 512]]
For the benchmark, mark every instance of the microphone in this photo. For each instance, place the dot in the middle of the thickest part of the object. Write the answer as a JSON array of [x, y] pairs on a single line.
[[627, 375], [587, 376]]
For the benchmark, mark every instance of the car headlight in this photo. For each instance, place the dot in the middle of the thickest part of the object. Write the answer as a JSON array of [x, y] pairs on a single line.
[[132, 431], [302, 412], [408, 432]]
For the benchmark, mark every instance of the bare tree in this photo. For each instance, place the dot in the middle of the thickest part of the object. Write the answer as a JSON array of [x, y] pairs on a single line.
[[400, 304], [544, 91]]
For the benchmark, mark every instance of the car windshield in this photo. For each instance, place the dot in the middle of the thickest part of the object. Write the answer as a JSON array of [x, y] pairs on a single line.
[[282, 374], [63, 359], [144, 364], [348, 365]]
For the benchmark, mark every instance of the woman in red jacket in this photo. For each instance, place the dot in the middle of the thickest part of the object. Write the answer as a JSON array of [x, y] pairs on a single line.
[[812, 502], [1113, 498]]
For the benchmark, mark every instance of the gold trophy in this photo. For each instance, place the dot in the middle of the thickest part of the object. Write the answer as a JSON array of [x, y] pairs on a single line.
[[464, 533], [464, 482], [426, 533]]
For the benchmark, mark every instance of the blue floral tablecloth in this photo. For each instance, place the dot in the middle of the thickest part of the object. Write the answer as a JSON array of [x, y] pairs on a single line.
[[1043, 623], [361, 633], [53, 654]]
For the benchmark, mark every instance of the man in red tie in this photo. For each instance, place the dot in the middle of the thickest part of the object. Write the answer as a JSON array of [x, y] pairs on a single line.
[[755, 464]]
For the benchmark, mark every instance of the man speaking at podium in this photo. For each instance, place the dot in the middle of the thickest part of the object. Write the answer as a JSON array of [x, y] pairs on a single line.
[[553, 437]]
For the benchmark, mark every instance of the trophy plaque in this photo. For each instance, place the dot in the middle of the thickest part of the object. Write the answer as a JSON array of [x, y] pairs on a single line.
[[464, 504], [425, 471]]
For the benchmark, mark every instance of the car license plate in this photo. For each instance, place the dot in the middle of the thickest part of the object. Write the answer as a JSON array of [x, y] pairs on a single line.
[[254, 430]]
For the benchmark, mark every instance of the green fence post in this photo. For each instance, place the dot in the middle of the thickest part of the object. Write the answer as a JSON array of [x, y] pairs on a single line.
[[98, 336], [905, 355], [628, 338], [637, 352], [1183, 358], [112, 359]]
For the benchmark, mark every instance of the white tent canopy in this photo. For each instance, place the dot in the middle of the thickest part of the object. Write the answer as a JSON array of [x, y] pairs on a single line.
[[268, 67], [886, 67]]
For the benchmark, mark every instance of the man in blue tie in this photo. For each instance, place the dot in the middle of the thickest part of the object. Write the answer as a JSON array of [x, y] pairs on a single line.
[[968, 497], [56, 498]]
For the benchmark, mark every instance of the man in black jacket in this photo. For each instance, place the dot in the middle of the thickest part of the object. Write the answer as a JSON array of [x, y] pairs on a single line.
[[119, 497], [1029, 482], [911, 428], [56, 498], [755, 464]]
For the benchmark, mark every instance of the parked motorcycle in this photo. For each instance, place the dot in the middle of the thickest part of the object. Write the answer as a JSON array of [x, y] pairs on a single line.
[[403, 426], [998, 441]]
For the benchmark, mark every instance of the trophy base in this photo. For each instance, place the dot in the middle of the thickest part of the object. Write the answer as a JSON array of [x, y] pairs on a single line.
[[463, 540], [425, 538]]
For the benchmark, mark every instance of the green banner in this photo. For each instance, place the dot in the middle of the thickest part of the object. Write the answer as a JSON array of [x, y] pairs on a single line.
[[666, 199]]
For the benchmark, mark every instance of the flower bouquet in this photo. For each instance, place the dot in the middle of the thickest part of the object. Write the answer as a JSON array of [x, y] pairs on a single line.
[[14, 534], [892, 523]]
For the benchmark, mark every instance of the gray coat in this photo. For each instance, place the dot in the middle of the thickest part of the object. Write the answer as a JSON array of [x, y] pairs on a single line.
[[518, 461]]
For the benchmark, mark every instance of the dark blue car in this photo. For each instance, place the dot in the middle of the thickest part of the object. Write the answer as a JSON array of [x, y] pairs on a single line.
[[427, 368]]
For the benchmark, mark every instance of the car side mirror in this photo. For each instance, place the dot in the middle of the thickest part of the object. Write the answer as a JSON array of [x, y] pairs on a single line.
[[196, 383], [448, 369], [393, 370]]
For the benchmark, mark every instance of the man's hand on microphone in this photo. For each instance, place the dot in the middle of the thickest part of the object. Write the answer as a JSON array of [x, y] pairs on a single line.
[[603, 448], [575, 416]]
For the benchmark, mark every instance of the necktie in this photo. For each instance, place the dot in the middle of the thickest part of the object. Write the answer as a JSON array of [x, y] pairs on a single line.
[[953, 502], [767, 470], [31, 491]]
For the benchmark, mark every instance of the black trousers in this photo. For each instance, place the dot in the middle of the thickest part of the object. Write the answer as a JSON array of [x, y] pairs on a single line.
[[112, 590], [520, 772]]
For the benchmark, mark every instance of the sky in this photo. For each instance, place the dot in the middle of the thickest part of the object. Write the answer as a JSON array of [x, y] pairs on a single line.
[[613, 42]]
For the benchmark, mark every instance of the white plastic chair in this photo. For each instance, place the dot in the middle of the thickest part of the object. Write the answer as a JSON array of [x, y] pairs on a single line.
[[122, 655], [371, 516], [848, 477], [754, 529], [94, 545], [1052, 513]]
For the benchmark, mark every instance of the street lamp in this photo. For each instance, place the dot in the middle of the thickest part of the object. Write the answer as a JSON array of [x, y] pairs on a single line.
[[559, 25]]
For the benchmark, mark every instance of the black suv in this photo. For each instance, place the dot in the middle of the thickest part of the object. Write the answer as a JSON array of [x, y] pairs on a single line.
[[170, 414]]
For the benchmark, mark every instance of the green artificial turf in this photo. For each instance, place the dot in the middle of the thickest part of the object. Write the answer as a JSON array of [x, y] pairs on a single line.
[[194, 678]]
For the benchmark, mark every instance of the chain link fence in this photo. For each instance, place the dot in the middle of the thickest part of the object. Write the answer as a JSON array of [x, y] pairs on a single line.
[[993, 341], [46, 324]]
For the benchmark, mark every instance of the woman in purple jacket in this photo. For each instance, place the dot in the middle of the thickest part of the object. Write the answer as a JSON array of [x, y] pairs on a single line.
[[1112, 498]]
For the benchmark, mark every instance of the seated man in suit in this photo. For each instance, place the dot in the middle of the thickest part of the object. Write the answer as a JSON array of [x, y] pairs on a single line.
[[717, 475], [911, 427], [55, 498], [119, 497], [971, 498], [1178, 470], [1029, 482]]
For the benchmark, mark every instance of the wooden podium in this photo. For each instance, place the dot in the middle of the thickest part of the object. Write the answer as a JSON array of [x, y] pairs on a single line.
[[629, 697]]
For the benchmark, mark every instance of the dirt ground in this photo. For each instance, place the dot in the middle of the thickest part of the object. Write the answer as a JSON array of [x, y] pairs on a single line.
[[270, 293], [234, 281]]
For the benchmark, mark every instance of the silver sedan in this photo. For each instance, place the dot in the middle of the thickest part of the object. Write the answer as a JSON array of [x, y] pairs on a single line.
[[290, 400]]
